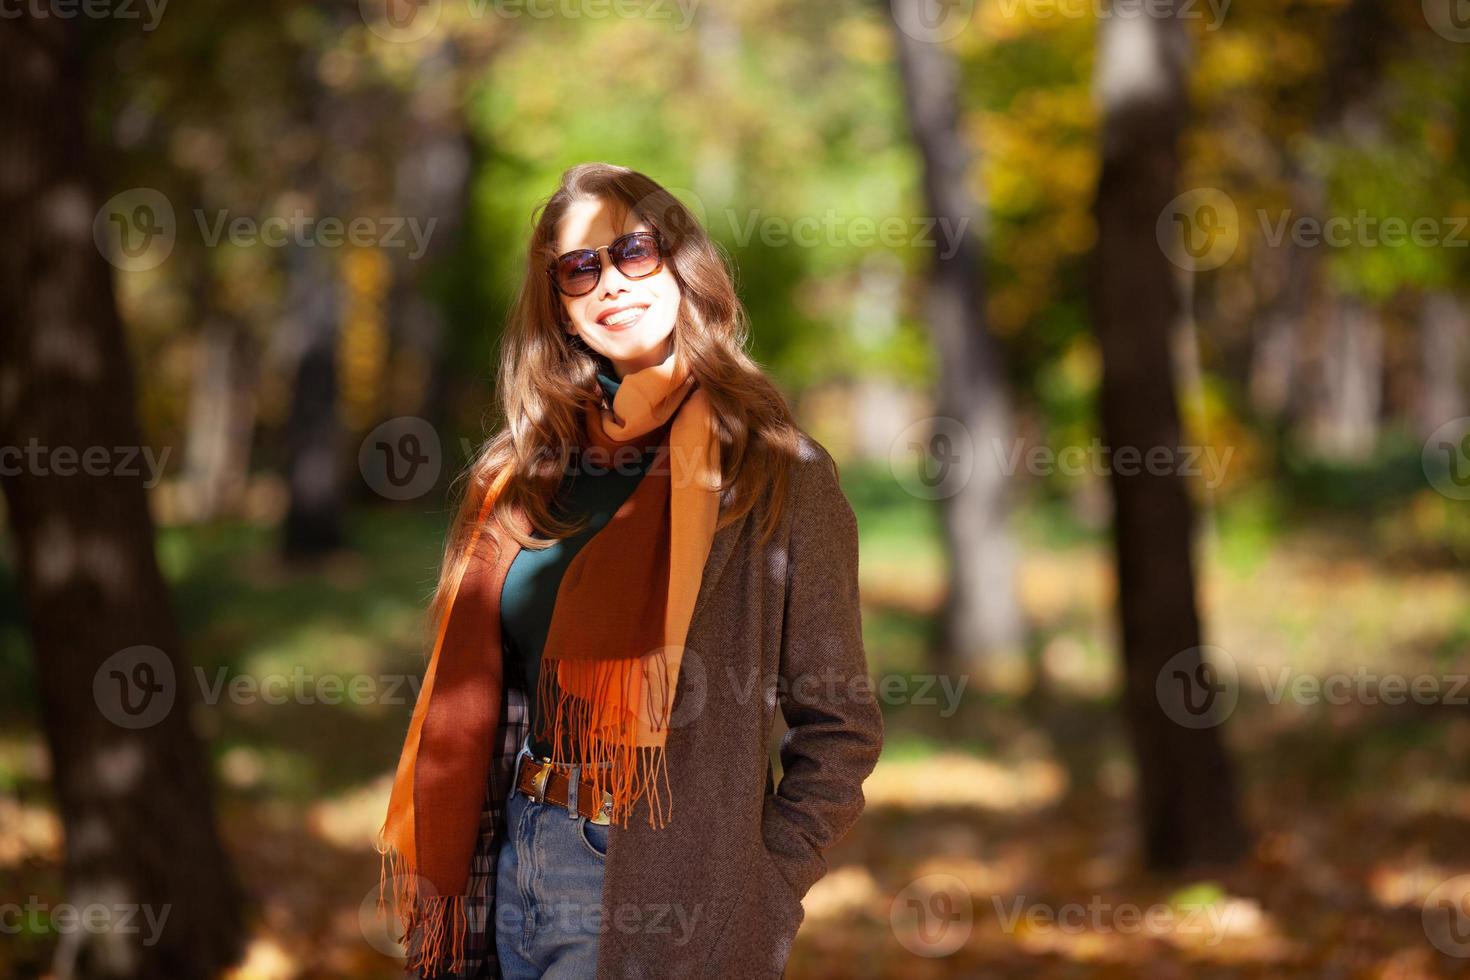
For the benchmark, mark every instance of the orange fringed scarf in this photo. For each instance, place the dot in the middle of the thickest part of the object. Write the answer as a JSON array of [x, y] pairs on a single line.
[[610, 666]]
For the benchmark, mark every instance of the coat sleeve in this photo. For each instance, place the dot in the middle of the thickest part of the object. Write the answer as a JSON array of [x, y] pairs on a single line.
[[825, 691]]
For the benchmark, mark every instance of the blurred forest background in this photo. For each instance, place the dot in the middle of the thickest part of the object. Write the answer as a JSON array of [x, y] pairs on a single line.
[[977, 241]]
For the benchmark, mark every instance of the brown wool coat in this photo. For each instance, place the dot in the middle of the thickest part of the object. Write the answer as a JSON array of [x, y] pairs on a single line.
[[717, 893]]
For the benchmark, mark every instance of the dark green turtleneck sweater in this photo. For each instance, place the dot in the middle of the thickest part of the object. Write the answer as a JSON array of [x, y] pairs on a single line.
[[528, 597]]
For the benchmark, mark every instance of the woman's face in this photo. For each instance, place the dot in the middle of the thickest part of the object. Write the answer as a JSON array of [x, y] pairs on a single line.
[[629, 321]]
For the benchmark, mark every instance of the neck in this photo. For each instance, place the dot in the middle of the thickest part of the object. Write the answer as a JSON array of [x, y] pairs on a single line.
[[652, 358]]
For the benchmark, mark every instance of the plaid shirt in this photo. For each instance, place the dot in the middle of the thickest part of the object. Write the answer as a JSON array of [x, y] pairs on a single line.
[[480, 960]]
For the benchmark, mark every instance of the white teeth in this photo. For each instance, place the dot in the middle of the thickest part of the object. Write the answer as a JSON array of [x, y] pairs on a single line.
[[622, 317]]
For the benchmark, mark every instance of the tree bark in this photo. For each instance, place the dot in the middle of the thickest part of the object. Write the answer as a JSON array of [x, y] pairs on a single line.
[[310, 329], [432, 185], [1444, 337], [130, 779], [1186, 782], [981, 621], [1344, 420], [313, 427], [1340, 387], [222, 406]]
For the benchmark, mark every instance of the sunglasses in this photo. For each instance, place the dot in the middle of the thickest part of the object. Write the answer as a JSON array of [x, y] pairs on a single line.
[[637, 255]]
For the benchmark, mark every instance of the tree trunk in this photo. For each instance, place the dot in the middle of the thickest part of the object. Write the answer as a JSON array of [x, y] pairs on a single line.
[[311, 326], [1287, 272], [1444, 335], [981, 621], [313, 428], [1186, 784], [432, 185], [1344, 424], [130, 778], [1340, 391], [222, 406]]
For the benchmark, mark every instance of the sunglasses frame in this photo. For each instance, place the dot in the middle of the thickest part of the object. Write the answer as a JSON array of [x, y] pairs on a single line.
[[658, 241]]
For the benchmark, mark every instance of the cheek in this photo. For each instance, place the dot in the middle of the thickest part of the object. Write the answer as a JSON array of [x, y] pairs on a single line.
[[575, 310], [668, 290]]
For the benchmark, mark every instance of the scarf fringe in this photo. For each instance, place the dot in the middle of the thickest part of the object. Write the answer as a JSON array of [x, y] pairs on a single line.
[[435, 927], [589, 723]]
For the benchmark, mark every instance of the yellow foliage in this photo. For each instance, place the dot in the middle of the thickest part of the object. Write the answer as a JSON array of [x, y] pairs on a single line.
[[1229, 61], [362, 352]]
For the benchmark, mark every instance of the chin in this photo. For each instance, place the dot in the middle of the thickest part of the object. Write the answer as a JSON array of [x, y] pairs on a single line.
[[649, 338]]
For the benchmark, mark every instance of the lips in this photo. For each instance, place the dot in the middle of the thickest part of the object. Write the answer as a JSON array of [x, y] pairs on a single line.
[[620, 317]]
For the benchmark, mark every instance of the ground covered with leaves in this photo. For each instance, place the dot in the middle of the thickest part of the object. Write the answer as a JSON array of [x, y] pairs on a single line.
[[999, 838]]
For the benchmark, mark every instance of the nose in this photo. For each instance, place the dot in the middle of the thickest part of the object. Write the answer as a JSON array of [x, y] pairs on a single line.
[[613, 280]]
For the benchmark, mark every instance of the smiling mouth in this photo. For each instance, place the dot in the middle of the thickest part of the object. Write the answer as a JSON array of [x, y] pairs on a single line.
[[623, 318]]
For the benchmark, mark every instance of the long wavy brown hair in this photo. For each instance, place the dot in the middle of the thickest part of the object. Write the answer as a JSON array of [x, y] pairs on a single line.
[[546, 375]]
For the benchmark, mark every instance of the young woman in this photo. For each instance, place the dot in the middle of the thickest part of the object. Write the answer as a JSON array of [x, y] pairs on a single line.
[[650, 557]]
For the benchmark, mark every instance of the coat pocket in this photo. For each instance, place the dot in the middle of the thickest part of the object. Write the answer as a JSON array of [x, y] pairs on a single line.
[[756, 939]]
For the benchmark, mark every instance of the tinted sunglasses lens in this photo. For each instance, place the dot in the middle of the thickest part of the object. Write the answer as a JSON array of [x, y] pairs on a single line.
[[578, 272], [638, 256]]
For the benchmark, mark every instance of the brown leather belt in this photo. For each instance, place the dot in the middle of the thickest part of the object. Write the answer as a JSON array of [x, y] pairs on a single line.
[[546, 783]]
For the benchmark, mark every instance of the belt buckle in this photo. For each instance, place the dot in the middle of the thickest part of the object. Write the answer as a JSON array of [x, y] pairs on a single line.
[[538, 783], [603, 817]]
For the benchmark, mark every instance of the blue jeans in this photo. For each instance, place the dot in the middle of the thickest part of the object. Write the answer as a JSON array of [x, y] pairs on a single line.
[[548, 889]]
